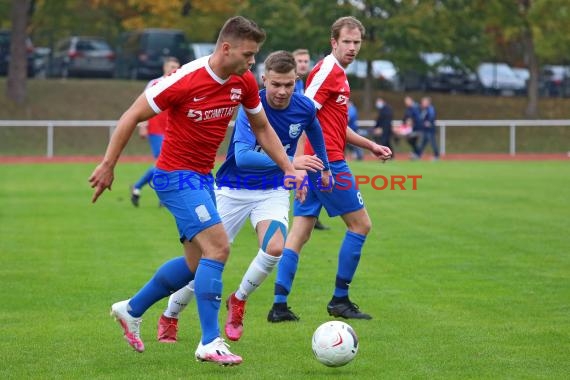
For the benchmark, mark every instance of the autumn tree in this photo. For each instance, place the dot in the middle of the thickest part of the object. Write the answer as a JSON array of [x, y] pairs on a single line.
[[286, 23], [18, 68], [199, 19], [512, 21]]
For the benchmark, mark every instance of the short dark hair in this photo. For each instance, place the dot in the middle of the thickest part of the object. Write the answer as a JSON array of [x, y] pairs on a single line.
[[241, 28], [349, 22], [281, 62]]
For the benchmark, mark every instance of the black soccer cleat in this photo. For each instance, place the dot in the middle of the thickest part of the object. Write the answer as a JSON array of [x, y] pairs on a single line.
[[135, 196], [281, 314], [320, 226], [346, 310]]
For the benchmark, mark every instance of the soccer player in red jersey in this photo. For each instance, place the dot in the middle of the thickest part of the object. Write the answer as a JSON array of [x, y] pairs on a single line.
[[201, 98], [328, 87]]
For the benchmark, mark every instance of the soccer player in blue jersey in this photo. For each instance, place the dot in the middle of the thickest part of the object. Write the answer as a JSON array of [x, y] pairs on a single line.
[[249, 185]]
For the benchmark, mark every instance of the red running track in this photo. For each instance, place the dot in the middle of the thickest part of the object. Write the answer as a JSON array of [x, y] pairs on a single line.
[[448, 157]]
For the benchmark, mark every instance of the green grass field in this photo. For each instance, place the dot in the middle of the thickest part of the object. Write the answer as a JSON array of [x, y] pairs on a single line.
[[466, 277]]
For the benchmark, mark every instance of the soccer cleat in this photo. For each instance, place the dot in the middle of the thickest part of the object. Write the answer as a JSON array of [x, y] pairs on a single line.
[[135, 196], [217, 352], [346, 310], [320, 226], [236, 311], [281, 314], [167, 329], [130, 324]]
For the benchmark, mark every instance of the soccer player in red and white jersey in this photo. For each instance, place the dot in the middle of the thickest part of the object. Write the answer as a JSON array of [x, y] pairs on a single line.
[[328, 87], [201, 98], [153, 130]]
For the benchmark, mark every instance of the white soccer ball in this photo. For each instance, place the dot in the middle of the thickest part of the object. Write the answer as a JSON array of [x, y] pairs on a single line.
[[335, 343]]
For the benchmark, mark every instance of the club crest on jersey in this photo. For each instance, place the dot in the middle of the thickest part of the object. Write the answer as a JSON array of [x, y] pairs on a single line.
[[342, 99], [294, 130], [235, 94]]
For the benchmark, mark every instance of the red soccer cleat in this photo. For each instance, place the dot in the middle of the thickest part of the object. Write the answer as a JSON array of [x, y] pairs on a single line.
[[236, 311], [167, 329]]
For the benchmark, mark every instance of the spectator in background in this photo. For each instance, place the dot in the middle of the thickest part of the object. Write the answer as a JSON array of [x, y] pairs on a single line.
[[303, 61], [412, 116], [428, 133], [382, 132], [153, 131], [353, 124]]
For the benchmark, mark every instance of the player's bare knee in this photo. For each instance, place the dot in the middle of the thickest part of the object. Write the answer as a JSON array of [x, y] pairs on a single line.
[[219, 251], [275, 249], [360, 226]]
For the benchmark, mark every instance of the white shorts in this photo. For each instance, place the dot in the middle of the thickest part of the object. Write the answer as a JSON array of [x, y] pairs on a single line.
[[236, 205]]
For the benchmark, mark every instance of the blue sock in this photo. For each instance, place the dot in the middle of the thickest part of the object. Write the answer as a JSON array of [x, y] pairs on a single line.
[[145, 179], [208, 290], [286, 270], [348, 259], [170, 277]]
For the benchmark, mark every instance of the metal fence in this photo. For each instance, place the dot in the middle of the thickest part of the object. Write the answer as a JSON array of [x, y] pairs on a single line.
[[442, 125]]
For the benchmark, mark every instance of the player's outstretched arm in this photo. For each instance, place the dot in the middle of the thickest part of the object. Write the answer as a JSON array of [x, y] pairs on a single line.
[[314, 133], [103, 175], [382, 152], [306, 162], [269, 141]]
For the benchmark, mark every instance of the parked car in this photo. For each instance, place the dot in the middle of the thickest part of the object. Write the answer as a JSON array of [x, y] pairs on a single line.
[[522, 73], [140, 53], [201, 49], [82, 56], [499, 78], [554, 80], [386, 71], [5, 36], [381, 69], [443, 73], [41, 61]]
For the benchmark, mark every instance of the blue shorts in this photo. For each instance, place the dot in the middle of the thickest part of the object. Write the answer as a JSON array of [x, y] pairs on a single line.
[[344, 197], [190, 198]]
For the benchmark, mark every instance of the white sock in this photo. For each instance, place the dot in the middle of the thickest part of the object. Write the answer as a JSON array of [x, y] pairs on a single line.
[[179, 300], [257, 272]]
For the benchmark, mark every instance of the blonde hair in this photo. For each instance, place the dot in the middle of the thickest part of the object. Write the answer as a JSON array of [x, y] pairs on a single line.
[[349, 22], [300, 52]]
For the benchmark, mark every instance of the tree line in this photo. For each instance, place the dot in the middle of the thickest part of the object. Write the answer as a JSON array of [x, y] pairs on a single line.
[[520, 32]]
